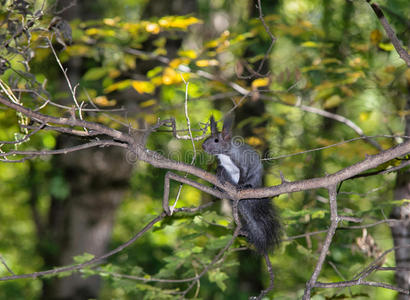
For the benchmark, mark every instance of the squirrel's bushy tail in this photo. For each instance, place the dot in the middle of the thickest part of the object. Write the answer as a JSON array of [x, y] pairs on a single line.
[[261, 223]]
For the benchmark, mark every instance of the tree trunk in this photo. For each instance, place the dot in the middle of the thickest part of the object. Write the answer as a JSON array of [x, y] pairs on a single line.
[[401, 232], [82, 223]]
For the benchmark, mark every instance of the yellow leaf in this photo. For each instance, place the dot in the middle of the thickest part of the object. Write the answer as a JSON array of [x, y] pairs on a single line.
[[288, 98], [375, 37], [357, 62], [178, 61], [254, 141], [188, 53], [143, 86], [131, 27], [407, 74], [331, 60], [390, 69], [206, 63], [364, 116], [152, 28], [114, 73], [310, 44], [403, 113], [260, 82], [306, 24], [360, 47], [178, 22], [279, 121], [211, 44], [103, 101], [386, 46], [157, 81], [110, 21], [92, 31], [332, 101], [151, 119], [148, 103], [347, 91], [353, 77], [325, 85], [117, 86], [170, 76]]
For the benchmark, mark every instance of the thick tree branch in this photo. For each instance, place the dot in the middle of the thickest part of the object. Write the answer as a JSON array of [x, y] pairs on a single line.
[[118, 135]]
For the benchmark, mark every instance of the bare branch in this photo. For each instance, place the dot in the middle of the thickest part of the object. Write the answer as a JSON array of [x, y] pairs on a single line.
[[25, 138], [334, 221], [33, 153], [343, 120], [184, 179], [91, 261], [390, 33], [334, 145], [273, 40], [188, 122], [5, 265], [118, 135], [189, 279], [361, 282], [72, 90]]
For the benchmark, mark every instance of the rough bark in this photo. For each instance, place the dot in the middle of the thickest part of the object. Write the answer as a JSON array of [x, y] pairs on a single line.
[[82, 223]]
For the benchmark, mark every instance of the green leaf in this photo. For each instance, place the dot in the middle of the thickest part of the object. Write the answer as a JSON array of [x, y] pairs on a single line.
[[184, 253], [218, 277], [95, 74], [219, 243], [304, 251], [79, 259]]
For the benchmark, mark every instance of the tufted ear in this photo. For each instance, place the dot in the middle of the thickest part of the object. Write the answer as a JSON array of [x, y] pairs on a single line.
[[214, 127], [227, 128]]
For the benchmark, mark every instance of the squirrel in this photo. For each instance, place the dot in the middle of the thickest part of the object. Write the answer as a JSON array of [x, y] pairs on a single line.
[[239, 164]]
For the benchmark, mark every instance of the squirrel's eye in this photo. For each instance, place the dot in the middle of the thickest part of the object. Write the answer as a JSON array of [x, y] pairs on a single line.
[[216, 140]]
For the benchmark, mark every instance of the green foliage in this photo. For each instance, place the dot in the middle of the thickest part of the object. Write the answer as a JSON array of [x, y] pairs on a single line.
[[341, 62]]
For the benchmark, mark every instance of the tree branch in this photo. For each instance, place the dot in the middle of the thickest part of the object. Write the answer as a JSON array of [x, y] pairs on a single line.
[[390, 33]]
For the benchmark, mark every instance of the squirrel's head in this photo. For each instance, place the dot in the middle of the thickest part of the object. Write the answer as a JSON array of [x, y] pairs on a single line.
[[219, 142]]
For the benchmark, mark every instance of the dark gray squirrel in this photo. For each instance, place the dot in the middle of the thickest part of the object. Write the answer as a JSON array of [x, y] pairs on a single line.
[[239, 164]]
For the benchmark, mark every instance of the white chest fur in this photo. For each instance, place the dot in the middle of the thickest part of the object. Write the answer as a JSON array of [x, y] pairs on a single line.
[[229, 166]]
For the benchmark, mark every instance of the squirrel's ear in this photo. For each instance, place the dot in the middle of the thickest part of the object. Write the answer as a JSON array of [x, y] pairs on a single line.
[[214, 128], [227, 128]]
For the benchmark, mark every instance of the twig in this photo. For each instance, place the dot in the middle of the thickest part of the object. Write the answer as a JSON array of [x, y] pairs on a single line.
[[118, 135], [25, 138], [72, 90], [184, 179], [273, 40], [189, 279], [361, 282], [334, 221], [188, 122], [99, 143], [91, 261], [333, 145], [5, 265], [271, 277], [340, 119]]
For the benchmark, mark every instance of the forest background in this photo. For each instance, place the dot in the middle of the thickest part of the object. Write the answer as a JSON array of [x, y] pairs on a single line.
[[315, 85]]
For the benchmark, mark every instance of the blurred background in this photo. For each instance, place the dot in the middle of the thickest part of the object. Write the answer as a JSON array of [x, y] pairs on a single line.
[[131, 58]]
